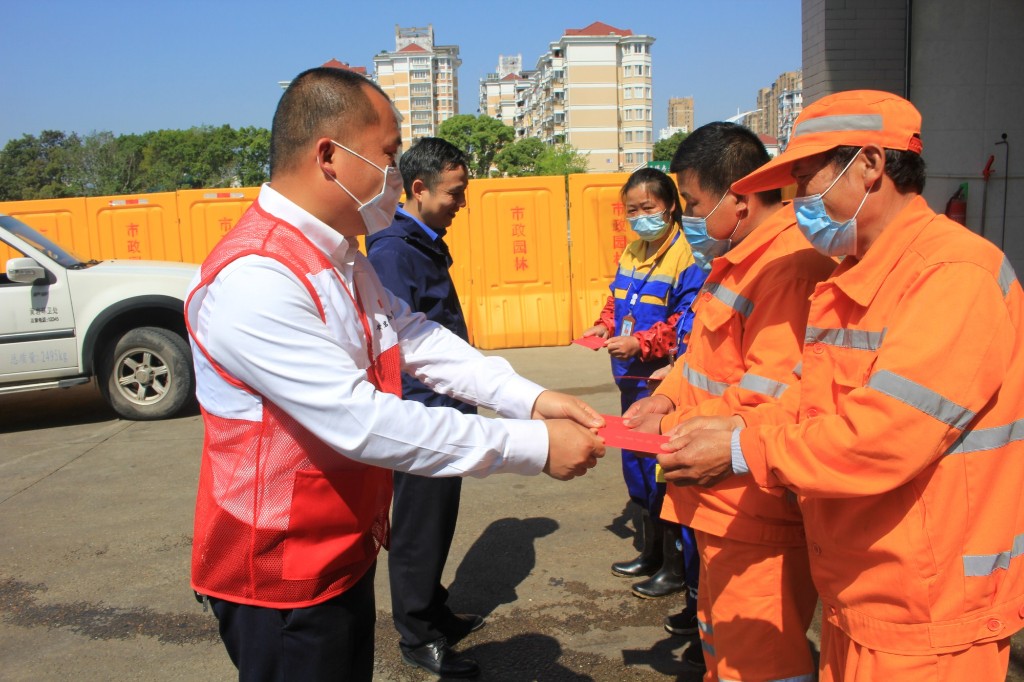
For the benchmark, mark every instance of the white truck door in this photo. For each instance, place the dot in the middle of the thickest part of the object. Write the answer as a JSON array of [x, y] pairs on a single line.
[[37, 325]]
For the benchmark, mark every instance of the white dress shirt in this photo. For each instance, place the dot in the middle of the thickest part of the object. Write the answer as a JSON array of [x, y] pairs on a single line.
[[259, 323]]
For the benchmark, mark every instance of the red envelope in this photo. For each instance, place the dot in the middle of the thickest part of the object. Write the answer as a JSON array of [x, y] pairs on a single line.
[[591, 342], [617, 435]]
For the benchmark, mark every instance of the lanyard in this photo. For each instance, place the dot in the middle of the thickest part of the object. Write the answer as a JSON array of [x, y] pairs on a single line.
[[636, 296]]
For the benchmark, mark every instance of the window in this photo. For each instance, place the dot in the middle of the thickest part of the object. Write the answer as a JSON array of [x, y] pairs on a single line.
[[649, 133], [629, 158], [629, 114], [647, 93], [629, 136], [627, 71], [649, 115], [627, 93]]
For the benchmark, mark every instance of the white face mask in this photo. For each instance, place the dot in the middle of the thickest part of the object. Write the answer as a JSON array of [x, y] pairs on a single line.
[[379, 212]]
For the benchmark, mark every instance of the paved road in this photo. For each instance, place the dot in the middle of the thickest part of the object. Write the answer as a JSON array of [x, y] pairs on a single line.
[[95, 526]]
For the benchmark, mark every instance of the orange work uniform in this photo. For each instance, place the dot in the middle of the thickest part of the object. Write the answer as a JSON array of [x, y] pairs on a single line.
[[908, 453], [756, 599]]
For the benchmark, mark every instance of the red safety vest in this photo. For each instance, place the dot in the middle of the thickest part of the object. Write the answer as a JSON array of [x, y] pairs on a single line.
[[282, 519]]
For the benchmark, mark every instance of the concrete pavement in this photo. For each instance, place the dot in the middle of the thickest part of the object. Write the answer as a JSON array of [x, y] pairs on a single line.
[[95, 533]]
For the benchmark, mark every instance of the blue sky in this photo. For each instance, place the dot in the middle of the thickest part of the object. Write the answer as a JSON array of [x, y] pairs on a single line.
[[130, 67]]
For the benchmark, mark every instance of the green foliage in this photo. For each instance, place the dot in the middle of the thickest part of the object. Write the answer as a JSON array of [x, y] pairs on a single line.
[[479, 137], [520, 158], [56, 165], [531, 156], [561, 159], [665, 149]]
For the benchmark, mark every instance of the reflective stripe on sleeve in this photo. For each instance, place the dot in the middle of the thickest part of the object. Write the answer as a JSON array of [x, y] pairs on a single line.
[[703, 381], [857, 339], [839, 123], [763, 385], [921, 398], [1006, 276], [978, 565], [977, 440], [741, 304], [799, 370]]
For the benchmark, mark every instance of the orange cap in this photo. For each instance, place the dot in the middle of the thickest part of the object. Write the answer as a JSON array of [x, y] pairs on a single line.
[[853, 118]]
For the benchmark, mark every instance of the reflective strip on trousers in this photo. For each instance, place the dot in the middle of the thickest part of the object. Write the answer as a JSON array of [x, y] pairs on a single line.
[[741, 304], [810, 677], [857, 339], [703, 381], [977, 440], [921, 398], [979, 565], [763, 385]]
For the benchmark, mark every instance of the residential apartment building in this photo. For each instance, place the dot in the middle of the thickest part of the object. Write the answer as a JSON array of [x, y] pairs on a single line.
[[501, 91], [778, 106], [421, 77], [680, 114], [592, 90]]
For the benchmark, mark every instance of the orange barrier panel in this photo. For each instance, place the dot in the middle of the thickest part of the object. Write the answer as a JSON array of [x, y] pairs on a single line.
[[519, 259], [206, 215], [62, 221], [599, 233], [137, 227]]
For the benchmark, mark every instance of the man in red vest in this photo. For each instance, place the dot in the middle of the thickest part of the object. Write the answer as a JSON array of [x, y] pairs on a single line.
[[298, 351]]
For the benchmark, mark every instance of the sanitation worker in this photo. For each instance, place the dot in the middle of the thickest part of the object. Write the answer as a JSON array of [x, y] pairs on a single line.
[[907, 452]]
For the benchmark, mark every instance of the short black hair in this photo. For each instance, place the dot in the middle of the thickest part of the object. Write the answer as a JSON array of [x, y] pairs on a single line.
[[721, 153], [660, 185], [320, 102], [427, 159], [905, 168]]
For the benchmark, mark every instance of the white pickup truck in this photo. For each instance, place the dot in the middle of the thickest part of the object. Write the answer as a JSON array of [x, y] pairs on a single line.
[[64, 321]]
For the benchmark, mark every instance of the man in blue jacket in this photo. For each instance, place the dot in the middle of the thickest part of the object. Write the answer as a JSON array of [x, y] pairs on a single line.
[[412, 261]]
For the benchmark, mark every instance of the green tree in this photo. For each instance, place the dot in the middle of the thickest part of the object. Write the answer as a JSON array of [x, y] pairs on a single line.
[[561, 159], [38, 167], [479, 137], [665, 149], [252, 154], [519, 158]]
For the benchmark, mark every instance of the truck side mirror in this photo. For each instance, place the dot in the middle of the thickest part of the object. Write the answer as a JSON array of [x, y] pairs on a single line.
[[24, 270]]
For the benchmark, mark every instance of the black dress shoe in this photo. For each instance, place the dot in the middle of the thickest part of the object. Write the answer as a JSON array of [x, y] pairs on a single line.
[[438, 658], [458, 625]]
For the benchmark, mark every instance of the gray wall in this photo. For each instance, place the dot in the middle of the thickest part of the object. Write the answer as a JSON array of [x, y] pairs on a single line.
[[853, 45], [965, 75]]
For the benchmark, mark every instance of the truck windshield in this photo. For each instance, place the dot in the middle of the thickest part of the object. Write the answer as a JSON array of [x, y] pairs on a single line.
[[38, 241]]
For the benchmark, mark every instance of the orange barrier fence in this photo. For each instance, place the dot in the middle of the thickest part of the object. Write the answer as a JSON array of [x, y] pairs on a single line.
[[533, 256]]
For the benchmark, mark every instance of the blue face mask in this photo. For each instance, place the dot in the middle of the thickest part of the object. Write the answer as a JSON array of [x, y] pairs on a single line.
[[706, 248], [648, 227], [827, 236]]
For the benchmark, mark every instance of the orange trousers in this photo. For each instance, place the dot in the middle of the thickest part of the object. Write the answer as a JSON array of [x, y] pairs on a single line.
[[844, 660], [754, 604]]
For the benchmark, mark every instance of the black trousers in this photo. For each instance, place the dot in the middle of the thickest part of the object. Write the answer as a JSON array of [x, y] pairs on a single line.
[[423, 518], [328, 641]]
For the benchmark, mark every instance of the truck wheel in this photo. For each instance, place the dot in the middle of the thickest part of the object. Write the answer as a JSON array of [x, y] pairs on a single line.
[[147, 374]]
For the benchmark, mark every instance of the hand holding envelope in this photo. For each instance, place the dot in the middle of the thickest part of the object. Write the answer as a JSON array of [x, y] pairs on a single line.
[[572, 446]]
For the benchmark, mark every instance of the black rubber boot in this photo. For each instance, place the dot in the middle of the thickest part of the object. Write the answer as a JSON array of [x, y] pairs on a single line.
[[650, 558], [669, 579]]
